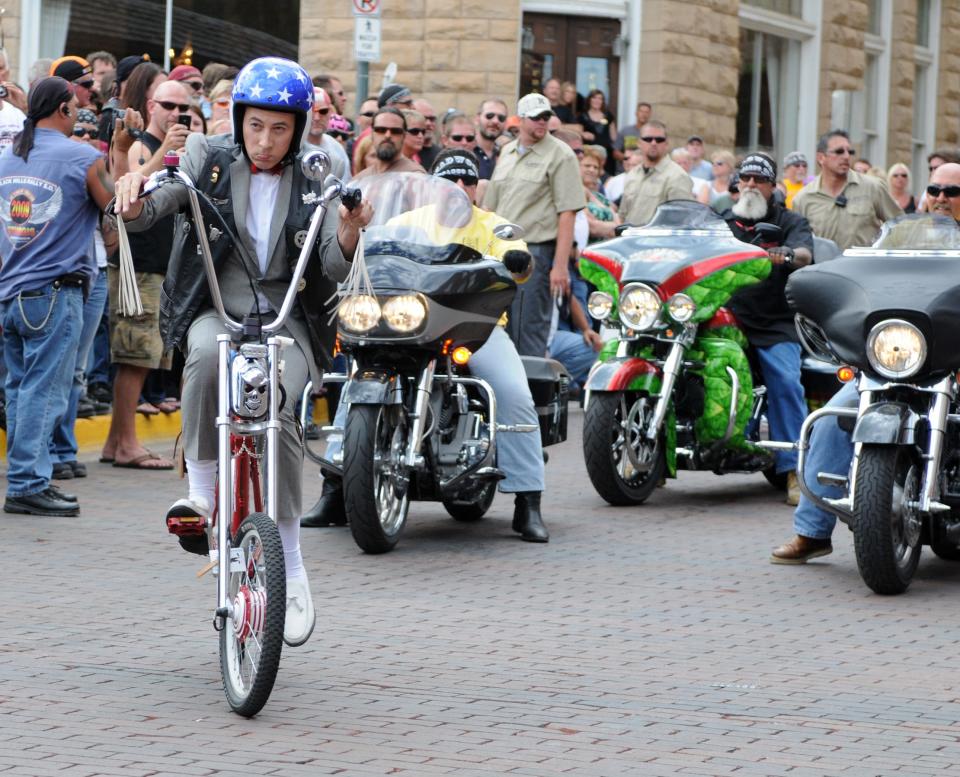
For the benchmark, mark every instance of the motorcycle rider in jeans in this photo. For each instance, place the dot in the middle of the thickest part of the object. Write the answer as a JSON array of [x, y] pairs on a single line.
[[762, 309], [831, 448], [519, 454]]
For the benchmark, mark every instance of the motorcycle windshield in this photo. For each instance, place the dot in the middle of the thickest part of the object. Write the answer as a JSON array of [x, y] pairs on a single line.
[[419, 217], [919, 232]]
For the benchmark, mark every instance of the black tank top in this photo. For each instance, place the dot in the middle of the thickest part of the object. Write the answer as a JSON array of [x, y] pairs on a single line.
[[151, 249]]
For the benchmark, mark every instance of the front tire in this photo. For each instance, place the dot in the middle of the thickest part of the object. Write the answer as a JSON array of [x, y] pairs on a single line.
[[251, 640], [886, 528], [613, 421], [375, 488]]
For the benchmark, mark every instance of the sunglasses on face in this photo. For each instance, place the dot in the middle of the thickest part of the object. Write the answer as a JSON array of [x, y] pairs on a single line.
[[541, 117], [195, 85], [86, 84], [468, 180], [950, 191], [322, 111], [180, 107], [368, 114], [397, 131], [463, 138], [79, 132], [501, 117], [416, 131], [338, 135], [842, 152], [578, 151], [653, 139], [223, 102], [754, 178]]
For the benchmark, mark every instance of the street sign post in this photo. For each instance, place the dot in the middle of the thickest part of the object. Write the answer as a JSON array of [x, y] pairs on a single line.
[[366, 42]]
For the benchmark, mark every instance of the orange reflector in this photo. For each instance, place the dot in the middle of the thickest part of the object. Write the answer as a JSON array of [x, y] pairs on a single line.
[[846, 374], [461, 355]]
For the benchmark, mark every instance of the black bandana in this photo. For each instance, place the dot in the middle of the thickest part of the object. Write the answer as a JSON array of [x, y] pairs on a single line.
[[759, 164], [456, 167]]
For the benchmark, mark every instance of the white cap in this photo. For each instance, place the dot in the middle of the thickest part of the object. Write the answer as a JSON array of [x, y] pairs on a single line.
[[533, 105]]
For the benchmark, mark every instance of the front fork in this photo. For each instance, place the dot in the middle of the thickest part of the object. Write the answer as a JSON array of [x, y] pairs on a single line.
[[412, 458], [671, 368]]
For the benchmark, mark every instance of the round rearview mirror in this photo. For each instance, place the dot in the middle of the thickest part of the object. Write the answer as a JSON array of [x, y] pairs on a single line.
[[315, 165], [508, 231]]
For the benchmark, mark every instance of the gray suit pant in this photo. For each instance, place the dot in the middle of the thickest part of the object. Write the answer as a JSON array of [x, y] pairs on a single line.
[[199, 408], [531, 312]]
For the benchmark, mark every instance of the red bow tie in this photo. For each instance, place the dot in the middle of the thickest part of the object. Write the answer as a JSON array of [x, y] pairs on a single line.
[[275, 170]]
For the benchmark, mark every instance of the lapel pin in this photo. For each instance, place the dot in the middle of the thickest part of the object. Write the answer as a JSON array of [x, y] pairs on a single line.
[[300, 238], [302, 285], [215, 174]]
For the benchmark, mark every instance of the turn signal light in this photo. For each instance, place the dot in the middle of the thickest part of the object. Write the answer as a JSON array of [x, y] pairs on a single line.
[[461, 355], [846, 374]]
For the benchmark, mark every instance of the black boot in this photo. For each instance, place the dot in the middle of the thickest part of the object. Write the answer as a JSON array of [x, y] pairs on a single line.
[[527, 519], [329, 509]]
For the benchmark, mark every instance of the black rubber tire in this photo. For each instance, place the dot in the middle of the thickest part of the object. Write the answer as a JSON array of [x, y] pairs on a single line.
[[881, 567], [248, 703], [476, 508], [942, 547], [599, 434], [359, 481], [776, 479]]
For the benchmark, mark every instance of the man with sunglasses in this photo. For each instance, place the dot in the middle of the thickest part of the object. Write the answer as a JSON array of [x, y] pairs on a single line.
[[762, 309], [389, 129], [841, 204], [459, 132], [655, 180], [136, 346], [536, 184], [78, 72], [430, 149], [368, 109], [490, 122], [317, 135], [191, 78]]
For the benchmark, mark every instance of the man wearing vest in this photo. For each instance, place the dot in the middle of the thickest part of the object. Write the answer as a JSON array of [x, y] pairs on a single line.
[[260, 192], [50, 192], [135, 343]]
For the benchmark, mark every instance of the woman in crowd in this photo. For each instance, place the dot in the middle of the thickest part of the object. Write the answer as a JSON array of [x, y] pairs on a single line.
[[724, 164], [413, 140], [363, 154], [899, 183], [602, 216], [599, 127], [143, 81], [569, 106], [220, 108]]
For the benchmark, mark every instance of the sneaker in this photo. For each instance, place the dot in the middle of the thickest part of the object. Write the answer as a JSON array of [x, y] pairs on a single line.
[[800, 550], [793, 489], [300, 617], [62, 471], [86, 407], [190, 532]]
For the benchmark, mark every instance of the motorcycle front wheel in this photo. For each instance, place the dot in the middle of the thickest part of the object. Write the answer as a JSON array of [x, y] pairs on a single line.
[[887, 527], [614, 443], [374, 477], [251, 640]]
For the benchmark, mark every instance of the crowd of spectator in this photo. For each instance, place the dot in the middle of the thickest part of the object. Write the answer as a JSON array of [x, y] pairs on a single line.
[[555, 162]]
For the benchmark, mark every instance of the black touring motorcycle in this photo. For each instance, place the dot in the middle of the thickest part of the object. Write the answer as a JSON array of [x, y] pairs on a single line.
[[890, 314], [419, 426]]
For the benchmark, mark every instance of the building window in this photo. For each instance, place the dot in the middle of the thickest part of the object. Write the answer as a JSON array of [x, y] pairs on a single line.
[[876, 82], [925, 85], [788, 7]]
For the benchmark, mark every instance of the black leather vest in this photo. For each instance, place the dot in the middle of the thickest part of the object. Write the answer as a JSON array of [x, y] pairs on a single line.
[[185, 292]]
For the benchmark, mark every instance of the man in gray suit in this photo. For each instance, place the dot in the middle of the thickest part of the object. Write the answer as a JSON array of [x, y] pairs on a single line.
[[260, 194]]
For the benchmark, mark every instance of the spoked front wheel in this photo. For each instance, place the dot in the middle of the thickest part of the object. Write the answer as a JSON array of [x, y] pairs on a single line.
[[375, 479], [251, 640]]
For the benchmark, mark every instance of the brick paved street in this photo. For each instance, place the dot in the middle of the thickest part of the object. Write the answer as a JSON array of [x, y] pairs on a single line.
[[644, 641]]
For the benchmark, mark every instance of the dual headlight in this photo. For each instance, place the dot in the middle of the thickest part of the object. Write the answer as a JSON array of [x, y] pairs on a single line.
[[640, 306], [404, 313], [896, 349]]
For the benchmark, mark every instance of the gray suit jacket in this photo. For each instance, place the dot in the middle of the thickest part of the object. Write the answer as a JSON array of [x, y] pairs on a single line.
[[241, 263]]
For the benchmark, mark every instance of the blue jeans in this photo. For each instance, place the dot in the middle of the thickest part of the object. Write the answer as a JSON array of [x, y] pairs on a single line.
[[98, 363], [831, 450], [786, 405], [40, 338], [63, 446], [573, 352]]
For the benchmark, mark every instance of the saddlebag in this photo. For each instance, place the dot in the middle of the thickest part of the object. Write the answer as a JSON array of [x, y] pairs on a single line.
[[550, 386]]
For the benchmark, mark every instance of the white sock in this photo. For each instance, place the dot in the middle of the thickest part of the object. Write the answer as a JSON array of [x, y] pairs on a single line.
[[290, 537], [202, 479]]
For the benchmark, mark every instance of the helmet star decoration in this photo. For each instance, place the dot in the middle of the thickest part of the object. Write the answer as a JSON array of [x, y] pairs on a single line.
[[284, 95], [273, 73], [256, 90]]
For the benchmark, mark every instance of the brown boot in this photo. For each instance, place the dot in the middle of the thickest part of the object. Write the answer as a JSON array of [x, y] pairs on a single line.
[[800, 550]]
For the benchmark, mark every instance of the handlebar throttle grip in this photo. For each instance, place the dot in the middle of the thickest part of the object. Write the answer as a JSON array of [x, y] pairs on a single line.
[[351, 197]]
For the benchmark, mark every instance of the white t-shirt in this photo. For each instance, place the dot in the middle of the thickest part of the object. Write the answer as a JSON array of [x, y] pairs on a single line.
[[11, 122]]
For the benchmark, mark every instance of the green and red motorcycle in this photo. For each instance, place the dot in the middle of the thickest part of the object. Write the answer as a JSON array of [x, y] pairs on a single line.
[[675, 390]]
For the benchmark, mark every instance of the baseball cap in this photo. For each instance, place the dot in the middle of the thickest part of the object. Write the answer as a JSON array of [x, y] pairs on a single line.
[[794, 158], [694, 139], [126, 66], [183, 72], [395, 93], [72, 69], [338, 124], [533, 104]]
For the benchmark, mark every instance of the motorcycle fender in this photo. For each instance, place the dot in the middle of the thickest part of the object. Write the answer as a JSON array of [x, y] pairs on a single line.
[[630, 373], [370, 387], [887, 423]]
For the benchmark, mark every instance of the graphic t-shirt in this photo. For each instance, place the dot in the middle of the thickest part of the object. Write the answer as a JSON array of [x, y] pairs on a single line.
[[11, 122], [46, 215]]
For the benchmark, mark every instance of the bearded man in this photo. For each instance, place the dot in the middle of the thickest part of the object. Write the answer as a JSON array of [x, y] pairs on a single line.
[[762, 309]]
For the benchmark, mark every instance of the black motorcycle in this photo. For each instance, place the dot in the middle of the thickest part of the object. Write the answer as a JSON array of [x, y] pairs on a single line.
[[890, 314], [419, 426]]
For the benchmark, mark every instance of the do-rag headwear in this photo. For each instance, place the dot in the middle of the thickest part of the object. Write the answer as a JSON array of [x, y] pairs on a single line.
[[759, 164], [453, 167], [46, 96]]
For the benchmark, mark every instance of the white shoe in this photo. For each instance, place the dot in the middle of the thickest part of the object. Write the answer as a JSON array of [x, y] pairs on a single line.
[[301, 617]]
